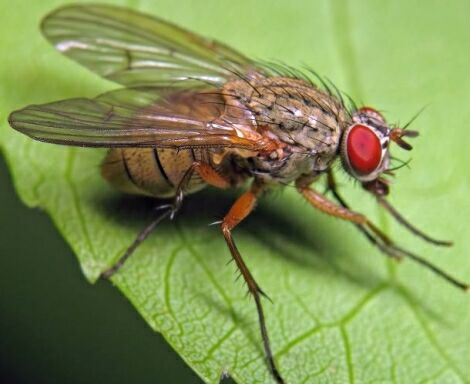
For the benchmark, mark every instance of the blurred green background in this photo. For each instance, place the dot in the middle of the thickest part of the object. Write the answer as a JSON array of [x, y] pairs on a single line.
[[57, 328]]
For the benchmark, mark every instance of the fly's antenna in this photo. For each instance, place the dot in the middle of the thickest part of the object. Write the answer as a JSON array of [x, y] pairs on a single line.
[[396, 135]]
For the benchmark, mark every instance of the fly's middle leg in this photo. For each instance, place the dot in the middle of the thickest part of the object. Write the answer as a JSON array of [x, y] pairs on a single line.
[[206, 172], [242, 207]]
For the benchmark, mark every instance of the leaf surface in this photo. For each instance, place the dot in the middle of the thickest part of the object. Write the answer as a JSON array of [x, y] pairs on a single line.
[[341, 312]]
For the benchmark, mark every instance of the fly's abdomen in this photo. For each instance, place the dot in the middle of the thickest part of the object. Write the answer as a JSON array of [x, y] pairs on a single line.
[[150, 171]]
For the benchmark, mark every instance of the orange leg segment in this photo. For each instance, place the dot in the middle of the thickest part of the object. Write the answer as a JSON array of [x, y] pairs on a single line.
[[239, 211], [325, 205], [373, 233], [210, 175]]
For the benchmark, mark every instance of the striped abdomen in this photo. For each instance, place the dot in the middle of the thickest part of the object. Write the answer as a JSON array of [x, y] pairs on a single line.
[[151, 171]]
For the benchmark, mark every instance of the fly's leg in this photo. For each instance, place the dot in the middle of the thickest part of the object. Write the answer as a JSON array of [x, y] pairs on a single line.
[[372, 232], [379, 189], [207, 173], [138, 240], [238, 212], [332, 187]]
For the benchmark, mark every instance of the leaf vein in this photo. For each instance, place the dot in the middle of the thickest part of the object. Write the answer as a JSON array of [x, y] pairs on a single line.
[[217, 345], [348, 353], [362, 303], [431, 337]]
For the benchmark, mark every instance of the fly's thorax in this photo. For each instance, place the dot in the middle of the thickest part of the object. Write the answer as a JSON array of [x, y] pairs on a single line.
[[306, 121]]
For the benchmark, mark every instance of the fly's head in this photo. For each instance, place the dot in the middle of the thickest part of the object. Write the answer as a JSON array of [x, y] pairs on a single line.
[[365, 148]]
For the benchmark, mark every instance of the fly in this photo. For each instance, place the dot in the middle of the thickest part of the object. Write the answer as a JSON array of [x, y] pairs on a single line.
[[195, 113]]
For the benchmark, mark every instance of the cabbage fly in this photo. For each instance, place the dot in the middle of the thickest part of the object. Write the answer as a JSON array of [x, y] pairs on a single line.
[[195, 113]]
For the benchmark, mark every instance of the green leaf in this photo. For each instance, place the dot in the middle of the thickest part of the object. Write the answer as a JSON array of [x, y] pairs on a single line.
[[341, 311]]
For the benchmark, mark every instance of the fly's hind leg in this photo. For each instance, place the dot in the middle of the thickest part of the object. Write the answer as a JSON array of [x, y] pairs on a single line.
[[138, 240], [206, 172], [238, 212]]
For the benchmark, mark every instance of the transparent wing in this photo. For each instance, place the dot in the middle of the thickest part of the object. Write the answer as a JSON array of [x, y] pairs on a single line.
[[134, 117], [135, 49]]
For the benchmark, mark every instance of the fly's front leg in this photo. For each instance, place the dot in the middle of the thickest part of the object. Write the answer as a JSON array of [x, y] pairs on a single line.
[[332, 187], [373, 233], [239, 211], [379, 189], [325, 205], [207, 173]]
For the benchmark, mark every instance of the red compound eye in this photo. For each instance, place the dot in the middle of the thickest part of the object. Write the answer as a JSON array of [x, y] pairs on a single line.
[[363, 149]]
